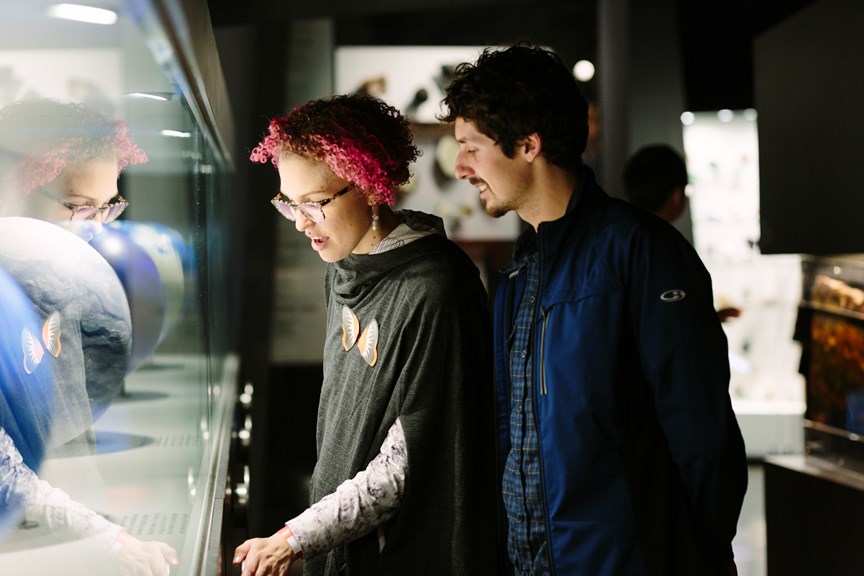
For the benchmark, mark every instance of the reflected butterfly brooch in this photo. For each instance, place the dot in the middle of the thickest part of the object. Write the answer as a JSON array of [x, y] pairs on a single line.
[[34, 349]]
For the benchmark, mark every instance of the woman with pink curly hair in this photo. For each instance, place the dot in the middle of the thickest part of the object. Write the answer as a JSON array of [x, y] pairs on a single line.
[[405, 480]]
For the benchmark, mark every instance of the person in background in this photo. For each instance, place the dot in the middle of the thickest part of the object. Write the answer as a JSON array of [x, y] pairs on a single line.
[[404, 481], [621, 454], [655, 179]]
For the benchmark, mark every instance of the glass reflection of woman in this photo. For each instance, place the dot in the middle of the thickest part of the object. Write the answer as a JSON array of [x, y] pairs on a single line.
[[60, 162]]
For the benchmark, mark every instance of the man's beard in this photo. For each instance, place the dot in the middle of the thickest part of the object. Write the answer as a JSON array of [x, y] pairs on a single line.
[[494, 211]]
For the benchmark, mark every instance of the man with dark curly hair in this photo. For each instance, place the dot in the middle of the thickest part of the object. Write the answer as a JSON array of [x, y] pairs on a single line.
[[405, 479], [621, 454]]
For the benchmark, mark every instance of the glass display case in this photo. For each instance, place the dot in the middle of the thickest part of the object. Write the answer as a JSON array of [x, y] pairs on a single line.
[[118, 370], [831, 326], [809, 499]]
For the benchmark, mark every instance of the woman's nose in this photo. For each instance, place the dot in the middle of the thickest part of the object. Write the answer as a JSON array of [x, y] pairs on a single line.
[[301, 221]]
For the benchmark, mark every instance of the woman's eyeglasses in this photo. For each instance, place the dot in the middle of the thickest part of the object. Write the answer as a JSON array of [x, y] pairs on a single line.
[[108, 212], [314, 211]]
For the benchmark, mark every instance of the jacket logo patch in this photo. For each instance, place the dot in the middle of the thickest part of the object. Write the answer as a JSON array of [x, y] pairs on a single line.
[[673, 295]]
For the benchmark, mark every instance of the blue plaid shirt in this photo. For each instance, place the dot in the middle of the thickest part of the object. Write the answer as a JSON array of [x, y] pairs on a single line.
[[522, 498]]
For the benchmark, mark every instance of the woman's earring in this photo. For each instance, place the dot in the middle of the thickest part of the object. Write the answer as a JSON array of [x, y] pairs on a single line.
[[375, 218]]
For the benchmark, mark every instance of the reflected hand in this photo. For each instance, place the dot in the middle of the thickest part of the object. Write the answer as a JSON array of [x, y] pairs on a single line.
[[139, 558], [271, 556]]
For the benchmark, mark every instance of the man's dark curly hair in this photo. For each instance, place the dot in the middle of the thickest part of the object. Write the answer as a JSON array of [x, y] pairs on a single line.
[[513, 92], [362, 139]]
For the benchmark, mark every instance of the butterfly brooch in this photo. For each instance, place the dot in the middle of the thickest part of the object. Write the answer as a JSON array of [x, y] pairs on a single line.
[[367, 341], [34, 349]]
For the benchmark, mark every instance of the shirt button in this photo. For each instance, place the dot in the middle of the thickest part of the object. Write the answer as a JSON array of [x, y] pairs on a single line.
[[524, 573], [524, 353], [521, 517], [518, 408], [531, 299]]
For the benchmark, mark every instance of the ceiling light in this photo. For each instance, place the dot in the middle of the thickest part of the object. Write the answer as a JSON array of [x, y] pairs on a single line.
[[583, 70], [81, 13], [161, 96], [175, 133], [725, 115]]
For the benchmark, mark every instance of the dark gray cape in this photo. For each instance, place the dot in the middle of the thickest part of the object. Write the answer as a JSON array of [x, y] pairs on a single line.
[[434, 373]]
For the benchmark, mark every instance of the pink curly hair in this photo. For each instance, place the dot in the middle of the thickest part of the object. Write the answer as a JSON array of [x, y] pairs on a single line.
[[362, 139], [53, 136]]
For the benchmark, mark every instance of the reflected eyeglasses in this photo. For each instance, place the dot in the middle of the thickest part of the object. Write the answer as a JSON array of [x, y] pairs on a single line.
[[314, 211], [108, 212]]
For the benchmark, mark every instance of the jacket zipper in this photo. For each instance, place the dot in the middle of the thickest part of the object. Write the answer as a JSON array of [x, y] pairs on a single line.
[[544, 315], [547, 521]]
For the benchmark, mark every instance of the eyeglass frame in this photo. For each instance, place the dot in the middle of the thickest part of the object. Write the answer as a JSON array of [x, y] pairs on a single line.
[[115, 201], [298, 207]]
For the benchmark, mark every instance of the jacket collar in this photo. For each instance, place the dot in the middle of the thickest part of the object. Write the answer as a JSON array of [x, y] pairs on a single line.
[[585, 195]]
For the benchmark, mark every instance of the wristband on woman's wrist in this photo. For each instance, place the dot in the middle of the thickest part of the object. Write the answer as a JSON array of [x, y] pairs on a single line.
[[288, 535], [120, 540]]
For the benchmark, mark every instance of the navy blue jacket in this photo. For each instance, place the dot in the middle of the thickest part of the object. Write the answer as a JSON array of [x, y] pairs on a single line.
[[643, 467]]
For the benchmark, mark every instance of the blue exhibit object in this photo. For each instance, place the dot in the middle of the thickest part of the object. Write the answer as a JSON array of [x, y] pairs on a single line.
[[26, 393], [71, 285], [142, 284], [168, 251]]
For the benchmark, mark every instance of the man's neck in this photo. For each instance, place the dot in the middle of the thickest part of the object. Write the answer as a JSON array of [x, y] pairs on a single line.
[[549, 196]]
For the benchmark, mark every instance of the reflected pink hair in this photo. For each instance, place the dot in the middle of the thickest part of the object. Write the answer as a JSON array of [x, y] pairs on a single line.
[[36, 171], [362, 139], [52, 136]]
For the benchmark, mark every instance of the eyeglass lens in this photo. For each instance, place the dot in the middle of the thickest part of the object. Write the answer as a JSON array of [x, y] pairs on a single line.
[[109, 213], [313, 212]]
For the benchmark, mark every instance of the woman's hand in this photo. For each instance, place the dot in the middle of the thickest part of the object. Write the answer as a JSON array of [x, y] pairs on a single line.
[[271, 556], [139, 558]]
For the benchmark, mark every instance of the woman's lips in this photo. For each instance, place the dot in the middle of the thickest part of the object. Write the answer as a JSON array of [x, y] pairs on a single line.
[[318, 243]]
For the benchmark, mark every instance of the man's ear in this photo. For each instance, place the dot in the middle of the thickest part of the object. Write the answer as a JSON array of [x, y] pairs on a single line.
[[680, 198], [531, 146], [674, 206]]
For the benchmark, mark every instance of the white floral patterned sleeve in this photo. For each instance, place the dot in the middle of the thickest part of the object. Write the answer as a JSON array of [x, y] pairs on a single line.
[[46, 504], [359, 504]]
